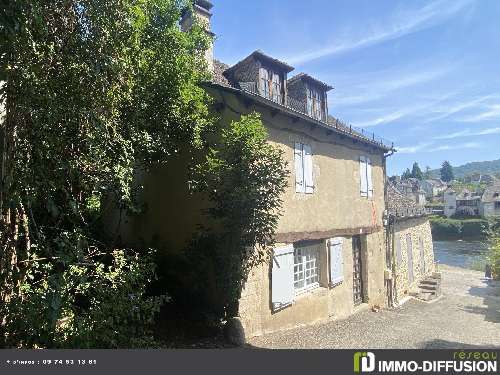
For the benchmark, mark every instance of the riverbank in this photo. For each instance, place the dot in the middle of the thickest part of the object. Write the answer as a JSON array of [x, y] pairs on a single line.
[[457, 229]]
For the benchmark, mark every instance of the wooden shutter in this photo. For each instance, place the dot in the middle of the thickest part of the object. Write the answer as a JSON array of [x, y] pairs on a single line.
[[282, 289], [362, 176], [300, 186], [308, 169], [369, 177], [336, 261]]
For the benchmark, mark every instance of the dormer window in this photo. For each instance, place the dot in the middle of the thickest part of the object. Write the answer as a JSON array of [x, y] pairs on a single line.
[[271, 85], [316, 104], [309, 96]]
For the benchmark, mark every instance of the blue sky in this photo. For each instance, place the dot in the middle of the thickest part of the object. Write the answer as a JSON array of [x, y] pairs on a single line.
[[424, 74]]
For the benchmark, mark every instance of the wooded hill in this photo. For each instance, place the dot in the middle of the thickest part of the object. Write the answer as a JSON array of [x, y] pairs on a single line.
[[484, 167]]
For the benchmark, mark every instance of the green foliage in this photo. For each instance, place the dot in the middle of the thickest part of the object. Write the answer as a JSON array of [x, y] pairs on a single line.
[[244, 177], [406, 174], [446, 172], [494, 247], [456, 228], [95, 89], [91, 304], [416, 172], [427, 173]]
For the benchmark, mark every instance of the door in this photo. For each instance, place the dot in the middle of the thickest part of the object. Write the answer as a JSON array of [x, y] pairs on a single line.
[[409, 253], [357, 285]]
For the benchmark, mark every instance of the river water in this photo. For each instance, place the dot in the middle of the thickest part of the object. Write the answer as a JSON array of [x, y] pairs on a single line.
[[465, 254]]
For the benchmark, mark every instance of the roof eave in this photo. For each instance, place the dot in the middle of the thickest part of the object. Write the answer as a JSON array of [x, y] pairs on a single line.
[[293, 113]]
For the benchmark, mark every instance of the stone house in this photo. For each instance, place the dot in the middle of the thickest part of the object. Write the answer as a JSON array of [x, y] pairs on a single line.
[[412, 189], [331, 254], [409, 238], [490, 201], [433, 187]]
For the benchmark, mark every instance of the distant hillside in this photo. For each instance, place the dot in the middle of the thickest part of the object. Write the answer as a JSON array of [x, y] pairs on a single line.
[[483, 167]]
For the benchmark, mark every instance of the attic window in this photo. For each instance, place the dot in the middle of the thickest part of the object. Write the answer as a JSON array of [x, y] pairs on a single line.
[[316, 104], [270, 85]]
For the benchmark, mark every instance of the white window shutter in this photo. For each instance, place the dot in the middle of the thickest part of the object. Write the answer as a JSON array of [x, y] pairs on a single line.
[[282, 289], [369, 177], [336, 261], [308, 169], [362, 176], [300, 186]]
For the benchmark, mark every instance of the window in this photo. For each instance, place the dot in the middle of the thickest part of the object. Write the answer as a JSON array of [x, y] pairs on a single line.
[[315, 104], [306, 268], [270, 85], [497, 205], [366, 180], [303, 168]]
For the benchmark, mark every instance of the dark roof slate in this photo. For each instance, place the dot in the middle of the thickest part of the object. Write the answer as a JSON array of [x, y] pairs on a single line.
[[306, 77], [266, 58]]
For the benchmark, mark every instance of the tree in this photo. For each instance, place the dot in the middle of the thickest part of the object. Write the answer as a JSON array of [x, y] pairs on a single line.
[[406, 174], [245, 178], [427, 173], [446, 172], [94, 89], [416, 172]]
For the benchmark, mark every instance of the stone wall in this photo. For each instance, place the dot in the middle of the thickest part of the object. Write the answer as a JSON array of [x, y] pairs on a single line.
[[418, 229]]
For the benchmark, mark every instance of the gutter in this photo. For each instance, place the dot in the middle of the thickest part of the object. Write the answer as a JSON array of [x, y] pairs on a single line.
[[293, 113]]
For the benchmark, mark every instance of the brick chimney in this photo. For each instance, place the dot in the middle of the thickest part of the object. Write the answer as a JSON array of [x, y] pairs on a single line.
[[201, 14]]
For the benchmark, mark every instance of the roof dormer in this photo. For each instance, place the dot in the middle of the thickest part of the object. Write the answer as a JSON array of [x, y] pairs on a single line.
[[309, 94], [262, 75]]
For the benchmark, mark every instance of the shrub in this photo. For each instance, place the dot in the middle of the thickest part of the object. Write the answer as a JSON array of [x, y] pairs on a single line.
[[90, 304]]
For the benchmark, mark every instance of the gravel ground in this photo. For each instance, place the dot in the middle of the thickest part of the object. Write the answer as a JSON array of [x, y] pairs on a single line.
[[466, 316]]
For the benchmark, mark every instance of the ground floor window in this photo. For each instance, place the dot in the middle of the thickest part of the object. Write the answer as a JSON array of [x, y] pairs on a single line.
[[306, 268]]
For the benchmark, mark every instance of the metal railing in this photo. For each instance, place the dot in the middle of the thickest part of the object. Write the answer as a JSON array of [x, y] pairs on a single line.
[[410, 212], [340, 126]]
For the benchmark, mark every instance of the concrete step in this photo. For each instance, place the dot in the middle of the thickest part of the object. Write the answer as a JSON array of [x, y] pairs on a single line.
[[429, 287], [427, 296], [430, 282]]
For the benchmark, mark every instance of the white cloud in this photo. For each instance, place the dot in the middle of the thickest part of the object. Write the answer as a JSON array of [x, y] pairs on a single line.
[[459, 107], [470, 133], [493, 112], [412, 149], [403, 24], [384, 84], [430, 147]]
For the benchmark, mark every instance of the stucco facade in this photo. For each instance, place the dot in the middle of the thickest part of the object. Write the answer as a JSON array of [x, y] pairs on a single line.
[[334, 209], [320, 304]]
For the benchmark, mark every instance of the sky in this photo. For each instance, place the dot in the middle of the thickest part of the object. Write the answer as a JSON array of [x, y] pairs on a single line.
[[423, 74]]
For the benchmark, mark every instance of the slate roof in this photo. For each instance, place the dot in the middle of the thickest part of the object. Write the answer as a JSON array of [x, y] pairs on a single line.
[[306, 77], [261, 55], [397, 201], [222, 71], [218, 73], [400, 207]]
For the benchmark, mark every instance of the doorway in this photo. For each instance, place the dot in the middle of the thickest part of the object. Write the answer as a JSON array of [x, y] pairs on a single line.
[[357, 285]]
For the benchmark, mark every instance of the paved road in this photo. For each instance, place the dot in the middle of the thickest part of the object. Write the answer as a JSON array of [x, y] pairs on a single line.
[[466, 316]]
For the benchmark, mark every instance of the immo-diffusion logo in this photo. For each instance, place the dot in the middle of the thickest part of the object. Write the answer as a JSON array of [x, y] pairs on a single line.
[[364, 362], [460, 362]]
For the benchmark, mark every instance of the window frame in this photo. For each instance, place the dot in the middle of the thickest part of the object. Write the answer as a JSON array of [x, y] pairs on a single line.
[[315, 275], [271, 84], [316, 103]]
